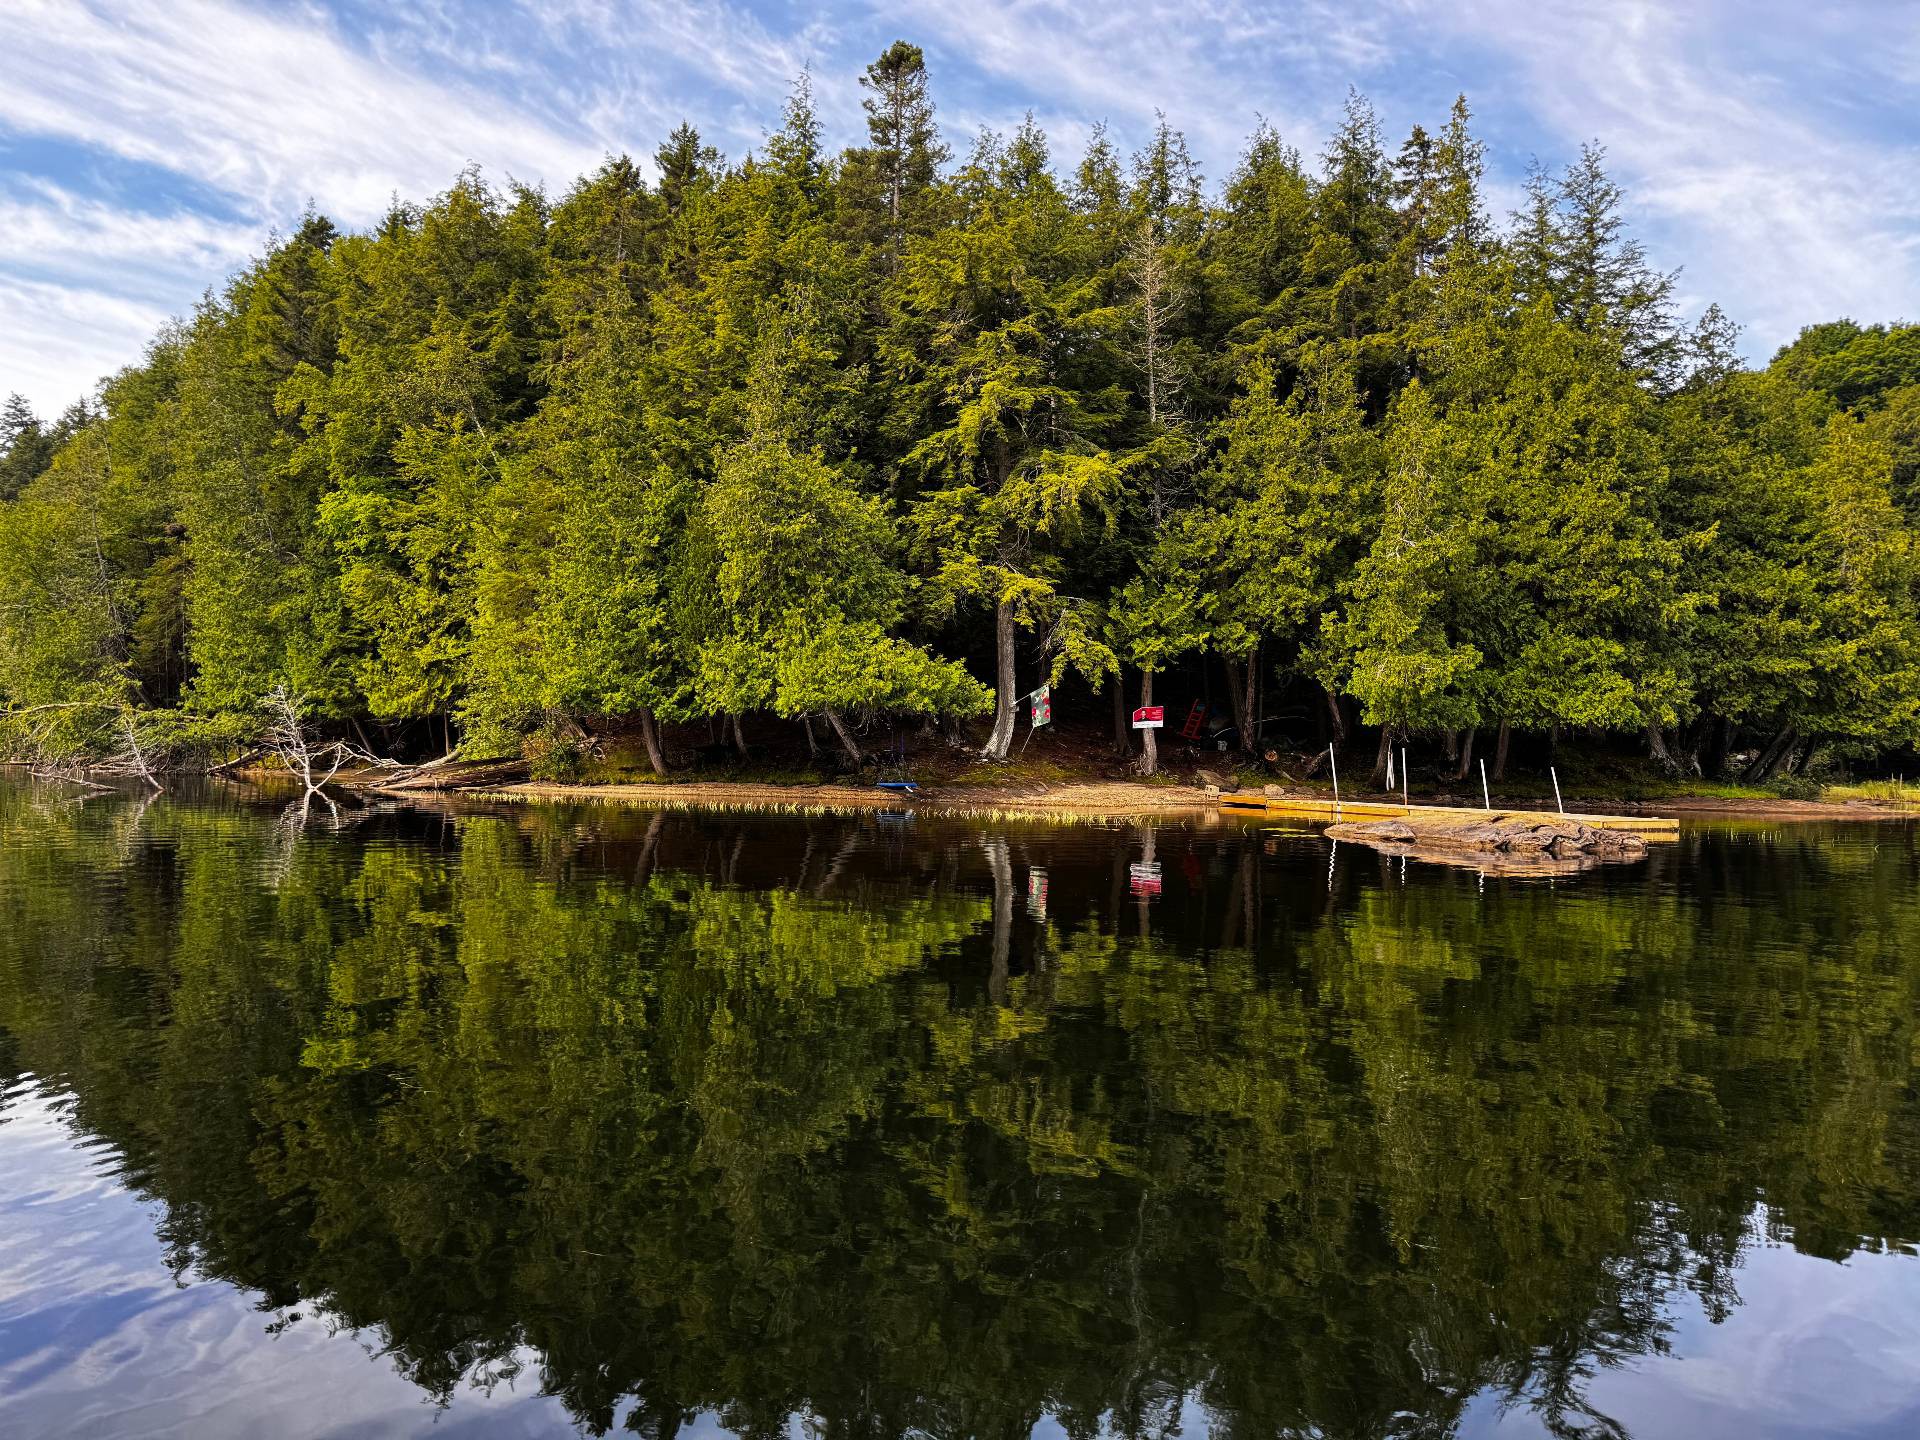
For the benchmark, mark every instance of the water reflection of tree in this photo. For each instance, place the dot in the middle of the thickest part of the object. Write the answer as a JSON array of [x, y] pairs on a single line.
[[769, 1119]]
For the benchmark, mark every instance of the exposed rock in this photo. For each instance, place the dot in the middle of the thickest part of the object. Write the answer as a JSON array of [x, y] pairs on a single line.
[[1394, 832], [1214, 780], [1516, 842]]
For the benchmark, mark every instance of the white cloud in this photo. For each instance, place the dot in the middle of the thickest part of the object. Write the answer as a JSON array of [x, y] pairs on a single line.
[[84, 285], [262, 107], [1771, 209], [1786, 195], [59, 340], [269, 109], [1215, 68], [47, 230]]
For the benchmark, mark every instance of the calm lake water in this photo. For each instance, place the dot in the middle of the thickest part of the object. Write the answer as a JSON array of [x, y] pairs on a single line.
[[524, 1121]]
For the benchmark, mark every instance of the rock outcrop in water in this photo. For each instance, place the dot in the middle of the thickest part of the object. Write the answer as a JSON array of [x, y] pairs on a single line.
[[1551, 844]]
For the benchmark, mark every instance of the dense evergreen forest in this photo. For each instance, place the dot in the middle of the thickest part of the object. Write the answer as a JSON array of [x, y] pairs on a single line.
[[905, 432]]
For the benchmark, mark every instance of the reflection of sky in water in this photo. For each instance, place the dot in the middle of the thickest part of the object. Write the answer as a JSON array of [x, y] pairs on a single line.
[[97, 1339], [1813, 1349]]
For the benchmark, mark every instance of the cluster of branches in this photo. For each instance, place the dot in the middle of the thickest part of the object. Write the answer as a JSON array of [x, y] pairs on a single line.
[[827, 437]]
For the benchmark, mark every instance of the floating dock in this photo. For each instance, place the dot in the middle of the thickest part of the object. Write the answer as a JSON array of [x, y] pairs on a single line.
[[1315, 807]]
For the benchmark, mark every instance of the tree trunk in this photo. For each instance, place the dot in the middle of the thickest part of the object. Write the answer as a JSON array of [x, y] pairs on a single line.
[[1768, 760], [1257, 683], [650, 734], [1000, 740], [1719, 742], [1450, 744], [1149, 745], [739, 735], [1122, 736], [1336, 722], [1500, 750], [1657, 748], [1240, 695], [1380, 757], [1466, 753], [846, 736]]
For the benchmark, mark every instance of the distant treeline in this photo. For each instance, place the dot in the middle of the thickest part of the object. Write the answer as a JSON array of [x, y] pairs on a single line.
[[895, 432]]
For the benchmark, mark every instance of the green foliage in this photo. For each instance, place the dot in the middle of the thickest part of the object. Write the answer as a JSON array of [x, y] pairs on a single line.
[[781, 435], [1857, 366], [792, 589]]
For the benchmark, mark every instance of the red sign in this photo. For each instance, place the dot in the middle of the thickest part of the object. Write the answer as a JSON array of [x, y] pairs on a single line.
[[1150, 717]]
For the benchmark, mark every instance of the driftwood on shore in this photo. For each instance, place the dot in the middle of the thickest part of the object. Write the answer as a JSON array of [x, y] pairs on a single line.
[[1552, 845]]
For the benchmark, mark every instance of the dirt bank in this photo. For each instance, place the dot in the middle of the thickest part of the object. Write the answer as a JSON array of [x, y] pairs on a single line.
[[963, 794], [1112, 798]]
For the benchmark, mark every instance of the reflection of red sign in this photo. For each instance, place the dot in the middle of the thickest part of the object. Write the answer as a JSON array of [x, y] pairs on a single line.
[[1037, 893], [1144, 877], [1196, 721], [1150, 717]]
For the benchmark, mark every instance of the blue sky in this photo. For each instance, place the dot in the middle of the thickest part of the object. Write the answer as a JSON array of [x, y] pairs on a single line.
[[147, 147]]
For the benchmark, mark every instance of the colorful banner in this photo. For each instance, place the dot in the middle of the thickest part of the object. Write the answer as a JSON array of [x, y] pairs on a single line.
[[1042, 706]]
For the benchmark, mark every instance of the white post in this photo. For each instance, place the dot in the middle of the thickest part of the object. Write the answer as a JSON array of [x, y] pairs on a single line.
[[1558, 802], [1334, 766], [1406, 796], [1485, 799]]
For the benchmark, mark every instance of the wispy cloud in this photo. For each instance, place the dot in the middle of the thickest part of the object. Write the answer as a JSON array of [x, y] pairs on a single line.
[[1734, 160], [47, 230], [265, 106], [1767, 146], [59, 340], [1214, 67]]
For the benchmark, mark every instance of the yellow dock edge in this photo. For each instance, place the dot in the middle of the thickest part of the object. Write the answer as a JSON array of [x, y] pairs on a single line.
[[1652, 827]]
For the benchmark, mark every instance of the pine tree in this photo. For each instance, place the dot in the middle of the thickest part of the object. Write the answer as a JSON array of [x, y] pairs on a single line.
[[1400, 645], [25, 447], [1601, 274], [904, 152]]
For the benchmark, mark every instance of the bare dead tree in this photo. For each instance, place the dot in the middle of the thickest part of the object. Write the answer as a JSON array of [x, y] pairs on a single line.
[[131, 758], [315, 764], [1156, 304], [287, 735]]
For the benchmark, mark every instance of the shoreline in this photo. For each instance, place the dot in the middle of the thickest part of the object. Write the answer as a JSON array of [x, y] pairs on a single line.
[[1092, 799], [1075, 800]]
